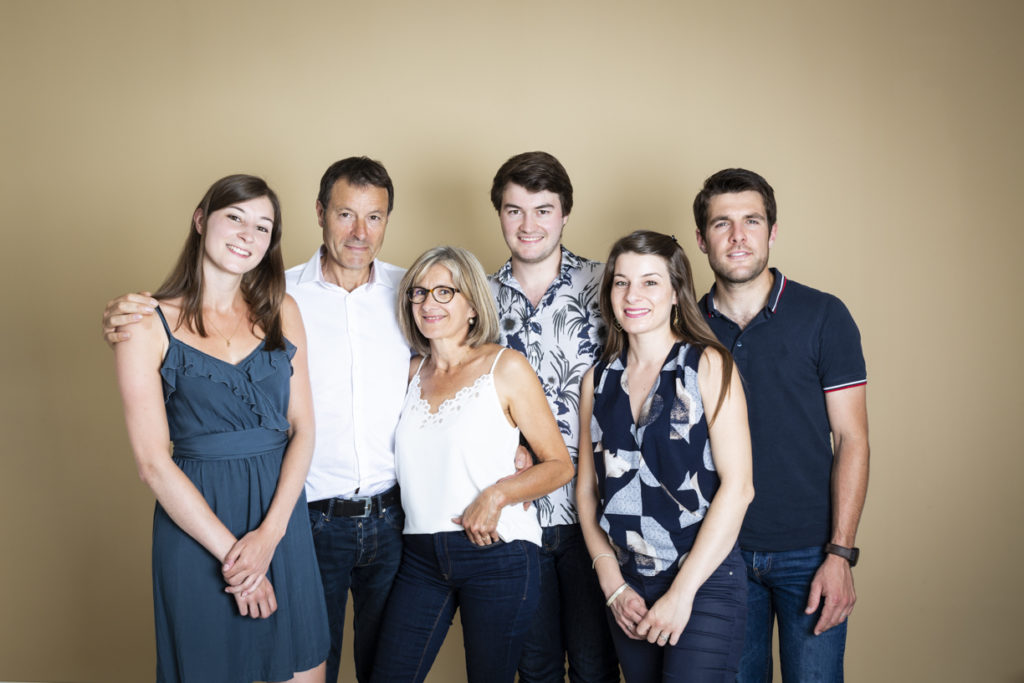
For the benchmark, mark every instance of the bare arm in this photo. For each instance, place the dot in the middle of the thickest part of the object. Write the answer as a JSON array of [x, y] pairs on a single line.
[[520, 390], [138, 374], [249, 558], [125, 310], [848, 418], [730, 449], [628, 607]]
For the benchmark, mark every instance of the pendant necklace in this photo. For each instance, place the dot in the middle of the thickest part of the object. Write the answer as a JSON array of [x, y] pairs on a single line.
[[227, 340]]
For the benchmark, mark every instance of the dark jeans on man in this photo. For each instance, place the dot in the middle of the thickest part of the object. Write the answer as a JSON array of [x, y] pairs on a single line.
[[709, 648], [361, 553], [570, 616], [495, 589], [778, 586]]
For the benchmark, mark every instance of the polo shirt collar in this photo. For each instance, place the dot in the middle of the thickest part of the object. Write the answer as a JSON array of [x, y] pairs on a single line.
[[773, 298]]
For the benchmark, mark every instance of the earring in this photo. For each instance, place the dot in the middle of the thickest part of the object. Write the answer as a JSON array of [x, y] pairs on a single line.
[[617, 324], [472, 323], [675, 315]]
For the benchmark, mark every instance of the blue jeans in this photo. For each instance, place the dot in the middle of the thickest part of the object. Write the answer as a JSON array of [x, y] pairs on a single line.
[[778, 586], [361, 553], [570, 616], [710, 646], [495, 589]]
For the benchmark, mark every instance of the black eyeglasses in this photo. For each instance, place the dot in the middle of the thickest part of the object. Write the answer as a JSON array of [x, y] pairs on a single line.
[[442, 294]]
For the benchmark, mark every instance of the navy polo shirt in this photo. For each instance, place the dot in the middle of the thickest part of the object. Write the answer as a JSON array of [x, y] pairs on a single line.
[[801, 346]]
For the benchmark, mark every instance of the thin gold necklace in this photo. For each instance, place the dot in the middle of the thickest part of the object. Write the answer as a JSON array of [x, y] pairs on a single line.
[[227, 340]]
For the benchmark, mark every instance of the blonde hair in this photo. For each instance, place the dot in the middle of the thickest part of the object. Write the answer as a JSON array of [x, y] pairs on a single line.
[[468, 277]]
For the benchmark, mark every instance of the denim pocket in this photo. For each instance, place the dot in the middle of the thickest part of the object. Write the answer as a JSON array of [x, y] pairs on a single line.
[[316, 521], [394, 516]]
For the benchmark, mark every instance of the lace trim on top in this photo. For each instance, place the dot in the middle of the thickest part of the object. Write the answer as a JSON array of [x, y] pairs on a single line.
[[450, 406]]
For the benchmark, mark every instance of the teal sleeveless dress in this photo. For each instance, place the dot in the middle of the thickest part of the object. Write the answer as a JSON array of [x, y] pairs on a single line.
[[229, 427]]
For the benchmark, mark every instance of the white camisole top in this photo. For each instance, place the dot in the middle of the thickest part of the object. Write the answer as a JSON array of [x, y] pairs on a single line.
[[443, 460]]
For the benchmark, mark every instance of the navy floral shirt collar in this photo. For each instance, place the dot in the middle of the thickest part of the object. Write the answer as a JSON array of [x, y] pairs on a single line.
[[570, 263]]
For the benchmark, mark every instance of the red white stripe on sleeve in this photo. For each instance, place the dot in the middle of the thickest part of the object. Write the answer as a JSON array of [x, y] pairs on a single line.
[[847, 385]]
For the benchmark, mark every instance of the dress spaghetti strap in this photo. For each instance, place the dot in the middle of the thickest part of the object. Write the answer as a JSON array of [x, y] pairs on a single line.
[[167, 328]]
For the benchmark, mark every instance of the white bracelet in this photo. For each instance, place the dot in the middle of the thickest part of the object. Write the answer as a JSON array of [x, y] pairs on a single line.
[[617, 593], [593, 565]]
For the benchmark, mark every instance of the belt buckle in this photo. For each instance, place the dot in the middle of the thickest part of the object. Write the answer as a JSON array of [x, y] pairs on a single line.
[[367, 506]]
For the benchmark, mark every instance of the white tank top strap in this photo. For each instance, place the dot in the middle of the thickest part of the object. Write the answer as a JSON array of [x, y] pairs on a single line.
[[419, 367], [496, 357]]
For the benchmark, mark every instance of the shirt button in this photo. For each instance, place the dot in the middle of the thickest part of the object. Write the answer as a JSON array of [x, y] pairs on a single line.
[[739, 344]]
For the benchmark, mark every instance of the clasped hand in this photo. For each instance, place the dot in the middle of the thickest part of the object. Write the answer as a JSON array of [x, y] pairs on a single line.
[[247, 562], [662, 624], [258, 603]]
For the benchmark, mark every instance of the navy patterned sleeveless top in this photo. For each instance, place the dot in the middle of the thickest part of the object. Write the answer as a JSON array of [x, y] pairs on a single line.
[[656, 478]]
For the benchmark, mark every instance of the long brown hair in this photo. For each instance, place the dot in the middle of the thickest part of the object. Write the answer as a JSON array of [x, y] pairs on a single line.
[[689, 325], [262, 287]]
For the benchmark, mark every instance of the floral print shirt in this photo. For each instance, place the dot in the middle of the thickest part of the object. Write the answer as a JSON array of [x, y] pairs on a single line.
[[562, 337]]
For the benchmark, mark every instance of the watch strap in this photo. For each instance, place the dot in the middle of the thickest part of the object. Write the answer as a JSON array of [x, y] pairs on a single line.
[[851, 555]]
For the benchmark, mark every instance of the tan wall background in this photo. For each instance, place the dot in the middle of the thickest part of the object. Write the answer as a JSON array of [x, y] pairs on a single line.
[[890, 130]]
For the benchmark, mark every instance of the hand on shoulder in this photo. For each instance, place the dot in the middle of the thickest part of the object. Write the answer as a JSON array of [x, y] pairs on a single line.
[[123, 312]]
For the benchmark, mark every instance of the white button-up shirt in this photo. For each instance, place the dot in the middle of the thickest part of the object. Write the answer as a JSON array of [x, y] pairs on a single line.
[[358, 370]]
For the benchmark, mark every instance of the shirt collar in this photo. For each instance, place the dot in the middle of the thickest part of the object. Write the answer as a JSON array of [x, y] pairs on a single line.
[[773, 298], [313, 272], [570, 262]]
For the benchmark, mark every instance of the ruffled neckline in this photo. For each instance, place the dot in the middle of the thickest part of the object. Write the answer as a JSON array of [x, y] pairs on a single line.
[[241, 377]]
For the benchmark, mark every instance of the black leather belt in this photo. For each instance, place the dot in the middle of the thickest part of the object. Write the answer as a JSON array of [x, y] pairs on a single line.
[[359, 506]]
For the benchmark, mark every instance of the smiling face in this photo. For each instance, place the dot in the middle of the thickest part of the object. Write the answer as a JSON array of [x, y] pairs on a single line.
[[441, 321], [641, 293], [237, 236], [353, 223], [738, 237], [531, 223]]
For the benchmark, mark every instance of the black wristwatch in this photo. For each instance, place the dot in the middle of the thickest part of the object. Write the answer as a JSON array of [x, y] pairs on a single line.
[[851, 555]]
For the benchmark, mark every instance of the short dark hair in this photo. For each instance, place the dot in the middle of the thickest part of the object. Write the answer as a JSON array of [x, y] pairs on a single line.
[[536, 171], [357, 171], [732, 180]]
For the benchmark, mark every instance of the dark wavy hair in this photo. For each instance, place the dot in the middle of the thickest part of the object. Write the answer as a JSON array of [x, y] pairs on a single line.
[[537, 172], [262, 287], [689, 326]]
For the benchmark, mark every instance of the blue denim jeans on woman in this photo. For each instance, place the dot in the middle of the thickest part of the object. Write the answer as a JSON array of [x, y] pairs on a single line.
[[710, 646], [778, 586], [361, 553], [570, 617], [495, 589]]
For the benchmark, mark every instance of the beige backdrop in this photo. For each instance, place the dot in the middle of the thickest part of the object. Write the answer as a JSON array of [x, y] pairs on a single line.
[[890, 131]]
